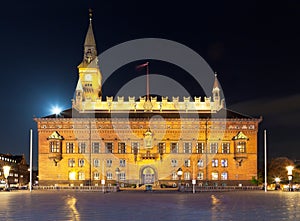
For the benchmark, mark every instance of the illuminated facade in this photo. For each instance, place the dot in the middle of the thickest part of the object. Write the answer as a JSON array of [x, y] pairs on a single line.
[[144, 141]]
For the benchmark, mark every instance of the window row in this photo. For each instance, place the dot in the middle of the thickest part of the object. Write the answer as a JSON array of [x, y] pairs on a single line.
[[240, 147], [96, 162], [96, 176], [200, 176], [200, 163]]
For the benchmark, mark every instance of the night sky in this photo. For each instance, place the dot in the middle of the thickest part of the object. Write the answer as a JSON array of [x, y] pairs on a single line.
[[253, 46]]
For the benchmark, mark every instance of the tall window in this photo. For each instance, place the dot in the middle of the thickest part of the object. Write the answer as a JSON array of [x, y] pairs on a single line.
[[187, 147], [121, 147], [161, 148], [81, 162], [187, 162], [214, 176], [224, 176], [96, 163], [224, 163], [108, 147], [135, 147], [81, 147], [54, 146], [122, 163], [96, 147], [214, 163], [70, 147], [122, 176], [109, 175], [72, 175], [81, 175], [174, 163], [108, 162], [200, 163], [225, 147], [214, 148], [187, 176], [200, 176], [71, 162], [241, 147], [96, 176], [174, 147], [200, 147], [174, 176]]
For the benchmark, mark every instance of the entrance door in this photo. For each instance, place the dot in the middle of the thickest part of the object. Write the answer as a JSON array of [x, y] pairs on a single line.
[[148, 176]]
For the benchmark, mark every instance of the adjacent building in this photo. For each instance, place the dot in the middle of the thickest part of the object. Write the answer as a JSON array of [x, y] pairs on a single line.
[[18, 174], [144, 140]]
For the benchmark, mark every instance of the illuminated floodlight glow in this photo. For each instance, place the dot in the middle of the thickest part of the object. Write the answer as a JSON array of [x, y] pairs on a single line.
[[56, 110]]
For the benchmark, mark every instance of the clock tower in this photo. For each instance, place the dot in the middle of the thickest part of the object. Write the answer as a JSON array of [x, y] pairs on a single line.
[[89, 82]]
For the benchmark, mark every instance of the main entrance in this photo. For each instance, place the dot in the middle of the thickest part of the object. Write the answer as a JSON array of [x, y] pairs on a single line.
[[148, 175]]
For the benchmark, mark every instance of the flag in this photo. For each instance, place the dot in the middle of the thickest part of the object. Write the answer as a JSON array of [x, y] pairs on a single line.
[[142, 65]]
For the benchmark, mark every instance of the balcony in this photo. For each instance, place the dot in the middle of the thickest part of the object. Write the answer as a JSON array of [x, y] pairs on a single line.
[[149, 156]]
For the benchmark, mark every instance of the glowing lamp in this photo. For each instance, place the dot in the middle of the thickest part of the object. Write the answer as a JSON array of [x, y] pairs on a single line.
[[56, 110], [6, 170]]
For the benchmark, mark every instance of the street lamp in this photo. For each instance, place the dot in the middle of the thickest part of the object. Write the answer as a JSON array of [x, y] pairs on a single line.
[[277, 181], [117, 176], [290, 176], [6, 170], [179, 174]]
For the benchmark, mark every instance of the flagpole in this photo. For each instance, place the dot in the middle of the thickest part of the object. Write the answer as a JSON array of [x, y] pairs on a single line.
[[30, 162], [265, 148], [147, 81]]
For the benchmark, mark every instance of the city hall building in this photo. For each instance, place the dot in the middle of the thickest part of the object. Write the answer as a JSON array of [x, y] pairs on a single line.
[[146, 140]]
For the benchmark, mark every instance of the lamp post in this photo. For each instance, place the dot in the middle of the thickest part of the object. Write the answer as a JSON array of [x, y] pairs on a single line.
[[179, 174], [290, 176], [6, 170], [277, 183], [117, 178]]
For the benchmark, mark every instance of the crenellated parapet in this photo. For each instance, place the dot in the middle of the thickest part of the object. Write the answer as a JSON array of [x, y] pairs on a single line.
[[184, 104]]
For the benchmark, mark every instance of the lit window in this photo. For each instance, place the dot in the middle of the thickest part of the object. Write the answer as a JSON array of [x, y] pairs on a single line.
[[200, 176], [72, 175], [224, 176], [121, 148], [122, 176], [225, 147], [187, 163], [200, 163], [109, 162], [71, 162], [214, 176], [109, 176], [81, 147], [174, 163], [241, 147], [214, 148], [200, 147], [174, 147], [81, 162], [224, 163], [108, 147], [122, 163], [214, 163], [96, 163], [187, 176], [54, 146], [96, 176], [187, 147], [174, 176], [81, 175], [70, 147], [161, 148], [96, 147]]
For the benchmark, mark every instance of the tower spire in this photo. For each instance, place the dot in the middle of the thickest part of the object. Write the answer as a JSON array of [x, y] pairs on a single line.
[[90, 50]]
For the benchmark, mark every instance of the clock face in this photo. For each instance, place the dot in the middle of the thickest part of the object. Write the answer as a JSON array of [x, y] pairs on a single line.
[[88, 77]]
